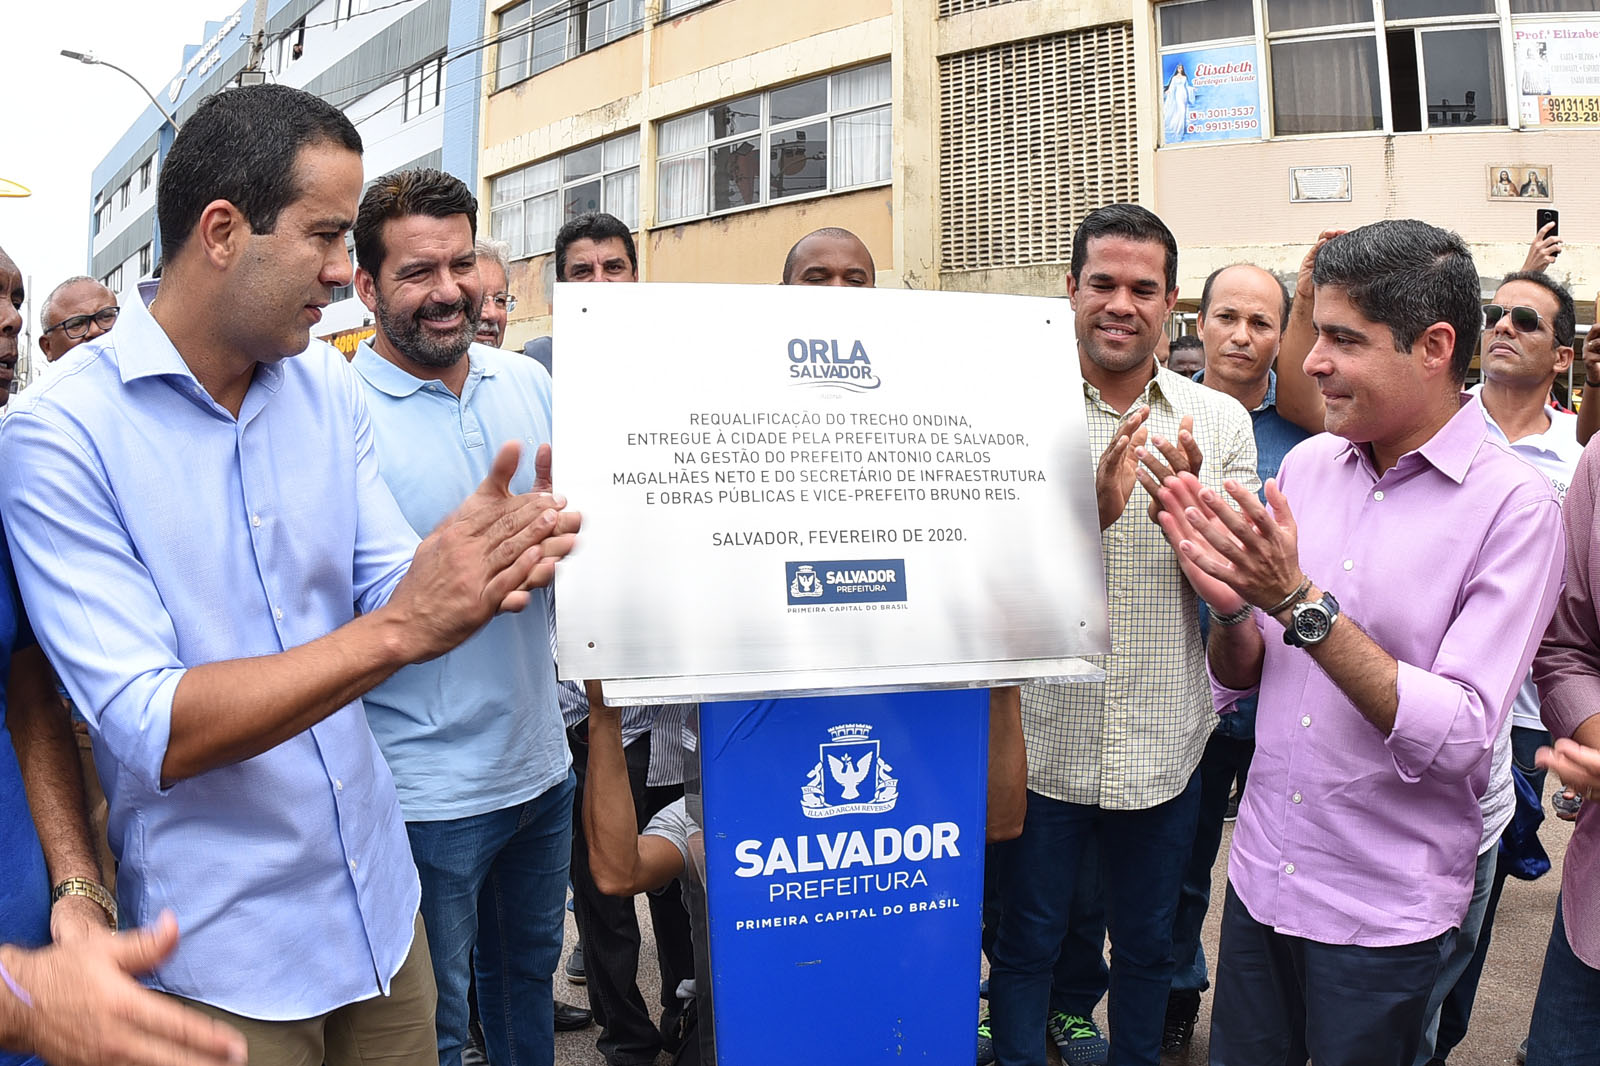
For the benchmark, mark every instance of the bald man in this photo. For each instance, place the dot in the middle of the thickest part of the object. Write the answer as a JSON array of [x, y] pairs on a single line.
[[77, 310], [1243, 310], [830, 256]]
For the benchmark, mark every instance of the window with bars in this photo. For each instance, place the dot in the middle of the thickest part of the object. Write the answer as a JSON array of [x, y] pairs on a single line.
[[821, 135], [536, 35], [961, 7], [424, 88], [1033, 136], [528, 206]]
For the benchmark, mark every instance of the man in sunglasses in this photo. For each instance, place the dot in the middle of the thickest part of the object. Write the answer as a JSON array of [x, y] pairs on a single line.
[[1386, 609], [77, 310], [1527, 343]]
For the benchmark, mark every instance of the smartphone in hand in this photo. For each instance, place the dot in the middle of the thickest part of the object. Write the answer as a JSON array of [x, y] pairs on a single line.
[[1547, 216]]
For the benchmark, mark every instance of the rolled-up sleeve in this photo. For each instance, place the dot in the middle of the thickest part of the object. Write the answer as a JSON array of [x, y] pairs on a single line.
[[1450, 710], [93, 605], [1567, 669]]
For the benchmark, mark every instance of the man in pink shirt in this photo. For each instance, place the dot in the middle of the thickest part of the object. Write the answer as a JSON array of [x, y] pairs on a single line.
[[1386, 609], [1566, 1014]]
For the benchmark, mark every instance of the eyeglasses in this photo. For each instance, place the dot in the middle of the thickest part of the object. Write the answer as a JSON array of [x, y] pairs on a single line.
[[77, 326], [1524, 319], [504, 301]]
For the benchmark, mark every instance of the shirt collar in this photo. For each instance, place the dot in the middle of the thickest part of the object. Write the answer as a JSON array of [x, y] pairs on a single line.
[[1269, 401], [145, 351], [1550, 441], [388, 378], [1452, 449]]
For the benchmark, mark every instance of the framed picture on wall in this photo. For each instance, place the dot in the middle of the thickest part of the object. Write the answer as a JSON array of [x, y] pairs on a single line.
[[1520, 181]]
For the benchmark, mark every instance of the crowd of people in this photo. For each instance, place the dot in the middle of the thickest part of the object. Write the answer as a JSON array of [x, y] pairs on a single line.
[[279, 654]]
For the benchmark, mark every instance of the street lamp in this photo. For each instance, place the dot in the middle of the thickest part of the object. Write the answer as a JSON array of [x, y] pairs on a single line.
[[89, 59]]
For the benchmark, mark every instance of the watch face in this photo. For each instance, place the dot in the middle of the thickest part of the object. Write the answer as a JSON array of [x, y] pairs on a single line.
[[1312, 625]]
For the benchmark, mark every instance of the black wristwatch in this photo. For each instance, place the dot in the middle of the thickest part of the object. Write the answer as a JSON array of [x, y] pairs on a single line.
[[1311, 622]]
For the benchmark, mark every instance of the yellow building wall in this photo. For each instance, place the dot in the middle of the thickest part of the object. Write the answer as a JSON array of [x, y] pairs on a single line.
[[734, 29], [591, 91]]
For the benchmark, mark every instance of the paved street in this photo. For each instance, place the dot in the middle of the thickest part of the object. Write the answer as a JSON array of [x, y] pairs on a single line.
[[1499, 1020]]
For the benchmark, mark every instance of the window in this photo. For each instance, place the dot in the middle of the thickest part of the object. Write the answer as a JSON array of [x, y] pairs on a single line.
[[424, 88], [145, 170], [145, 262], [670, 8], [113, 280], [538, 34], [102, 216], [123, 194], [1328, 60], [823, 135], [528, 206]]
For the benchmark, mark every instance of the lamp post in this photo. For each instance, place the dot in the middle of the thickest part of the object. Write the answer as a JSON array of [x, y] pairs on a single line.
[[89, 59]]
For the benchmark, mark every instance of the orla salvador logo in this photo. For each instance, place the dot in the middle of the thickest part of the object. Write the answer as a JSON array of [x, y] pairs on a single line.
[[804, 585], [850, 776], [831, 364]]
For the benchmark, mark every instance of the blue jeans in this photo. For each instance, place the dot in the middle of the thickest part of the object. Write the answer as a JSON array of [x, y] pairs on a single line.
[[1566, 1013], [1142, 855], [497, 882], [1227, 757], [1461, 955]]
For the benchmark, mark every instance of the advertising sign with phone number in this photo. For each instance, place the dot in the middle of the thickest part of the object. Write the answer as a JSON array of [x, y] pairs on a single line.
[[1558, 72], [1211, 94]]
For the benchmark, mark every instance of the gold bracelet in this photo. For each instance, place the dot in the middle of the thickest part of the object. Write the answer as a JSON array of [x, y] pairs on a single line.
[[94, 890]]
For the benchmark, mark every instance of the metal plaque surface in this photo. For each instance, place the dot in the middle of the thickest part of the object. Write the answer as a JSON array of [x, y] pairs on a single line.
[[782, 482]]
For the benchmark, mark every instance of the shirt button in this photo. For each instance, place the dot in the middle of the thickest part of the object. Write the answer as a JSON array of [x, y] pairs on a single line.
[[1288, 868], [1378, 495], [1305, 719], [1349, 564], [353, 867], [277, 612], [255, 520], [338, 786], [1296, 797]]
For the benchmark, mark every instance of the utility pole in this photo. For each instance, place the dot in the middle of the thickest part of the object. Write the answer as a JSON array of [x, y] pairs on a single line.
[[258, 41]]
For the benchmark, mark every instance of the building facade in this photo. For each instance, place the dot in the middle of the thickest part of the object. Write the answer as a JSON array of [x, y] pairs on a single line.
[[965, 139], [405, 73]]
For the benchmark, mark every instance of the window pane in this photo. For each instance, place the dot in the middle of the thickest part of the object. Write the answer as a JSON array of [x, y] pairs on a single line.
[[549, 33], [1422, 9], [735, 116], [505, 189], [622, 196], [681, 133], [1206, 20], [621, 152], [1326, 86], [505, 224], [799, 161], [861, 148], [1546, 7], [1305, 14], [681, 187], [736, 174], [863, 86], [582, 163], [579, 199], [798, 101], [514, 50], [541, 217], [541, 177], [1464, 84]]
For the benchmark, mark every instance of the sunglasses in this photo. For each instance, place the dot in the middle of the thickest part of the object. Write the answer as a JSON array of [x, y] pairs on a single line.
[[1524, 319], [77, 326]]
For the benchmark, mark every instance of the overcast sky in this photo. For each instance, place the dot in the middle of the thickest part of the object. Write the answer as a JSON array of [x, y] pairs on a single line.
[[61, 117]]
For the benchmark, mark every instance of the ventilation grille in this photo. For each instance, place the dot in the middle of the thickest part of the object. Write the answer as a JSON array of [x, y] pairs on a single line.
[[959, 7], [1033, 136]]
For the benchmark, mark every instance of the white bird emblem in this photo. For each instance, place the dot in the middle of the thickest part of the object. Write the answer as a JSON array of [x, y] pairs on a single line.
[[850, 777]]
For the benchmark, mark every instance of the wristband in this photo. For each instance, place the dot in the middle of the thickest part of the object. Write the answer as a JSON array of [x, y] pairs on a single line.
[[16, 989], [1233, 618], [94, 890], [1590, 384], [1293, 598]]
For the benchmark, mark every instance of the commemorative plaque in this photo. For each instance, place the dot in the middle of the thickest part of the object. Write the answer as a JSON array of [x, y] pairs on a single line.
[[790, 489]]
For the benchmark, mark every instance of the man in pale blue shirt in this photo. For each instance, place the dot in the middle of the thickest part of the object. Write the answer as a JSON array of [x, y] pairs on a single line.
[[474, 737], [213, 564]]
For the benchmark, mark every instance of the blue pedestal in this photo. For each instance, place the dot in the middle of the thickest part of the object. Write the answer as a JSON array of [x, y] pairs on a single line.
[[844, 871]]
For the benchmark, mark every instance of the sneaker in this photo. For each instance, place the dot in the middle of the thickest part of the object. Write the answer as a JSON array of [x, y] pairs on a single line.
[[1078, 1039], [1183, 1007], [574, 967], [1232, 813], [985, 1041]]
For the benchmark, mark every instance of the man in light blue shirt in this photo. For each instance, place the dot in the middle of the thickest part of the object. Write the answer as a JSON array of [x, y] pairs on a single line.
[[212, 562], [474, 737]]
